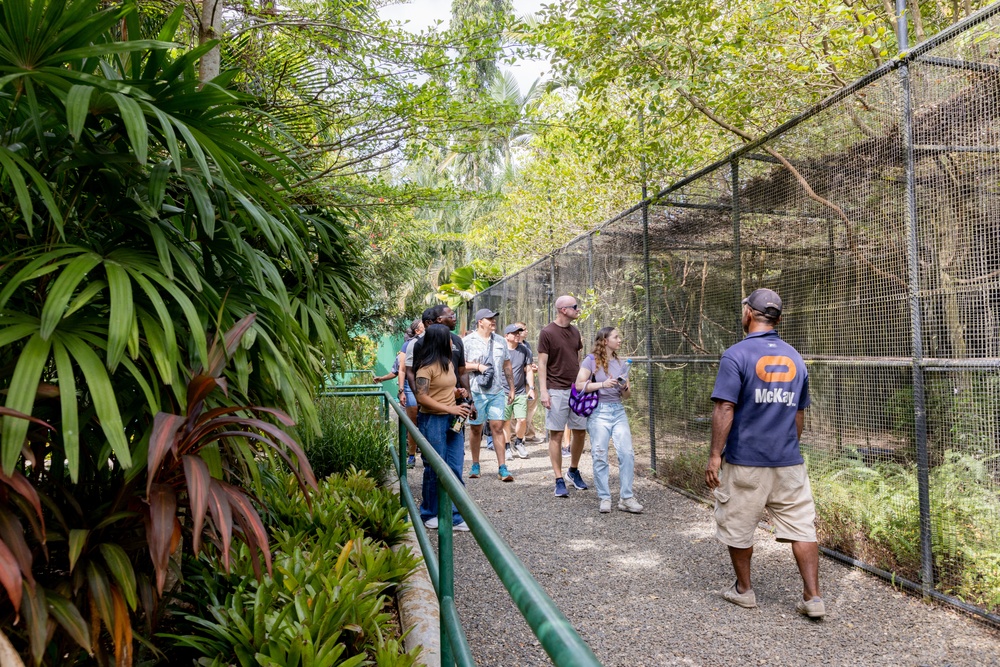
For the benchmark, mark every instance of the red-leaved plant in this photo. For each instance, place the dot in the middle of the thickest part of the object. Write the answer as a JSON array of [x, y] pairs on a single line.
[[184, 463]]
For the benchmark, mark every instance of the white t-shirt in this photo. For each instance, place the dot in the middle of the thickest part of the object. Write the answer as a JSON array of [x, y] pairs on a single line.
[[476, 348]]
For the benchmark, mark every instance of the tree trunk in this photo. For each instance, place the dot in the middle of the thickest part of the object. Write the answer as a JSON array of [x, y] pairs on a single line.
[[211, 28]]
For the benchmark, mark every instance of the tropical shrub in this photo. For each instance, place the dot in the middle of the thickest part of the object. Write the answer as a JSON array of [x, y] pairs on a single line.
[[144, 213], [327, 601], [872, 513], [353, 434]]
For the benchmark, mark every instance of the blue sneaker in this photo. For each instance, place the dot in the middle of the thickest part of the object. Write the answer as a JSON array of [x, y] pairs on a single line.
[[411, 461], [561, 491], [474, 471], [504, 474], [577, 479]]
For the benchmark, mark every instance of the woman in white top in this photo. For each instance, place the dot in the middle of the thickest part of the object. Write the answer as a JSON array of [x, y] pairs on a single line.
[[600, 372]]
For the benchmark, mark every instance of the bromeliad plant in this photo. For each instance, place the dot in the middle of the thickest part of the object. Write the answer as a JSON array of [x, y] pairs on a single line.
[[142, 208]]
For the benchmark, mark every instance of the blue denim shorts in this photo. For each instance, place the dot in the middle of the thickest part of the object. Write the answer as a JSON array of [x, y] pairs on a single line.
[[489, 406], [411, 399]]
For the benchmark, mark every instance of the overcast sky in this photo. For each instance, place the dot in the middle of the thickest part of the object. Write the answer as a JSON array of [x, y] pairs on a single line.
[[421, 14]]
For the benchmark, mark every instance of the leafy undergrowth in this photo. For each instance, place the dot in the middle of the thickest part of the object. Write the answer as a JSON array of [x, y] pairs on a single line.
[[872, 514], [353, 434], [329, 600]]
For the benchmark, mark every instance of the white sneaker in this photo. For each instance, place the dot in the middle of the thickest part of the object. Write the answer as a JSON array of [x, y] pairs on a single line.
[[522, 451], [630, 505], [431, 522], [461, 527], [605, 506]]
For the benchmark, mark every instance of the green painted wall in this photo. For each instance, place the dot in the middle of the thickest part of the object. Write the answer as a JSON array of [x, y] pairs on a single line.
[[388, 347]]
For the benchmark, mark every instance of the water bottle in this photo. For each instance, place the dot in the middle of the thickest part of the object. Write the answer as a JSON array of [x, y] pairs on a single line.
[[458, 421], [623, 378]]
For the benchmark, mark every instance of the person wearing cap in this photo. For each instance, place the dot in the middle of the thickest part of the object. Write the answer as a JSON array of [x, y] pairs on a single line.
[[487, 360], [524, 387], [755, 462]]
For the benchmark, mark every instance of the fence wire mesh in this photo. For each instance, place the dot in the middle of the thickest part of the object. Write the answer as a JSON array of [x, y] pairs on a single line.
[[875, 217]]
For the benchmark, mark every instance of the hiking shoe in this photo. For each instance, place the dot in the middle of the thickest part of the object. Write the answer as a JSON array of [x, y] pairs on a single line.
[[504, 474], [747, 600], [522, 451], [431, 522], [605, 506], [411, 461], [577, 479], [561, 491], [460, 527], [630, 505], [474, 471], [812, 608]]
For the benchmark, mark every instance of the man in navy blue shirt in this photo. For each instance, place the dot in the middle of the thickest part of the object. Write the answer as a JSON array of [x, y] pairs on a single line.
[[760, 395]]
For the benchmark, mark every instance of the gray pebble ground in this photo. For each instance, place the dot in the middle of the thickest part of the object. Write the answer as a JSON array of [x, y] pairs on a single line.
[[643, 590]]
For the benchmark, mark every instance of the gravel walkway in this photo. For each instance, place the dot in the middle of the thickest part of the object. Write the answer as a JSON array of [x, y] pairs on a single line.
[[643, 590]]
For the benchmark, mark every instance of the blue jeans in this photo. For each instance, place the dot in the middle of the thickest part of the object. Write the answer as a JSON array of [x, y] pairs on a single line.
[[606, 422], [451, 447]]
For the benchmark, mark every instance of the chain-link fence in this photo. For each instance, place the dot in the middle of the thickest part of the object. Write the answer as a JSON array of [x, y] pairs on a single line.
[[876, 217]]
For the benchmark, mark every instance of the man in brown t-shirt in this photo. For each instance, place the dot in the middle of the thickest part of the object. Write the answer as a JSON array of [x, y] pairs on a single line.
[[559, 345]]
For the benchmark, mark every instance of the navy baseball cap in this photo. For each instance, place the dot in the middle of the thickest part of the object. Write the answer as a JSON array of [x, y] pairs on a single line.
[[764, 300]]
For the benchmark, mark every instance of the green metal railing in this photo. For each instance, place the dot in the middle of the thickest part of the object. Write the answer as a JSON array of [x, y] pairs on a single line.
[[554, 632]]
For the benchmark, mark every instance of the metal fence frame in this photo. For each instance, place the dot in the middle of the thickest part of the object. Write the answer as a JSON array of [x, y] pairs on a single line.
[[918, 365]]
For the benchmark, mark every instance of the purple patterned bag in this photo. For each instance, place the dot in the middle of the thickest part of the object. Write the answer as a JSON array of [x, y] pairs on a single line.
[[581, 403]]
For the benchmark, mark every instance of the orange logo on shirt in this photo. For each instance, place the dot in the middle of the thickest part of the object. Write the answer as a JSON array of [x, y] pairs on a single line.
[[776, 369]]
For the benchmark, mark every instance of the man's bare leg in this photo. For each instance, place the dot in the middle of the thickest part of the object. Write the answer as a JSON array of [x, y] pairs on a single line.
[[475, 440], [555, 452], [576, 448], [741, 566], [807, 558], [499, 443]]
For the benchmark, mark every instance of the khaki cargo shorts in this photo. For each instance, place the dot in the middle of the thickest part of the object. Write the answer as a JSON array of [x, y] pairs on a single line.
[[744, 492], [559, 416]]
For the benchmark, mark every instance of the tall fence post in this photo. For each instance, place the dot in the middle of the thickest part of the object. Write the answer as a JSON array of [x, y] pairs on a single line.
[[591, 325], [734, 174], [446, 569], [401, 448], [650, 377], [916, 319], [552, 281]]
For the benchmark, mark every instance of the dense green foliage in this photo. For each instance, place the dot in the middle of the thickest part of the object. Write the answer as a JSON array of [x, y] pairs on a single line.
[[327, 600], [645, 92], [353, 435], [158, 282], [872, 513]]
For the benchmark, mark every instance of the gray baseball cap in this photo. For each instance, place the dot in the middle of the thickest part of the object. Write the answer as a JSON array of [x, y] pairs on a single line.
[[485, 314], [512, 328], [763, 300]]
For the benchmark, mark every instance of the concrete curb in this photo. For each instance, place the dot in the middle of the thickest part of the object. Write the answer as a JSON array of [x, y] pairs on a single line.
[[417, 602]]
